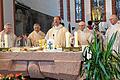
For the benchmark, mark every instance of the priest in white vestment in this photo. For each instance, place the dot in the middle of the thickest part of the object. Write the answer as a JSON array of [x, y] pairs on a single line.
[[57, 33], [84, 34], [36, 35], [115, 27], [7, 37]]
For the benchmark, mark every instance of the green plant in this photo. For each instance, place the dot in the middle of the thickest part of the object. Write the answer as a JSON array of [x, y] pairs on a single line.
[[104, 64]]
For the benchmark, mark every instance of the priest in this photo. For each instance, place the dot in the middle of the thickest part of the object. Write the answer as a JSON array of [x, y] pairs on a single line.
[[7, 37], [84, 34], [114, 27], [57, 33], [36, 35]]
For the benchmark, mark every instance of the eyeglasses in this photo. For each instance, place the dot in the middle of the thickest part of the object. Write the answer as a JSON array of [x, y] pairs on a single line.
[[111, 19], [81, 25]]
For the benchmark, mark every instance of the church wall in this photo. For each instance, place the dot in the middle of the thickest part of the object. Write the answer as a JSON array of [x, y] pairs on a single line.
[[87, 11], [8, 11], [52, 7]]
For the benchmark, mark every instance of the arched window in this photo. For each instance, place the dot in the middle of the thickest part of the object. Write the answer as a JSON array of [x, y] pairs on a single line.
[[79, 10]]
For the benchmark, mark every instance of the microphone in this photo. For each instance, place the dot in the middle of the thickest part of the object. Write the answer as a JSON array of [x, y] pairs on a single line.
[[53, 36]]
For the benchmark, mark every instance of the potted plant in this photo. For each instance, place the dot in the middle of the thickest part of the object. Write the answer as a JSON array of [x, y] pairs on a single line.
[[103, 64]]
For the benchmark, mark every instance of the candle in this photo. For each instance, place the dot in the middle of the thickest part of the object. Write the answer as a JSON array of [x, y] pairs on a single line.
[[0, 41], [76, 39], [6, 40], [99, 13], [93, 15], [67, 34]]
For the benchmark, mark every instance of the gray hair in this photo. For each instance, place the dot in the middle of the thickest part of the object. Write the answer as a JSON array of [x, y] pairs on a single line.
[[7, 25]]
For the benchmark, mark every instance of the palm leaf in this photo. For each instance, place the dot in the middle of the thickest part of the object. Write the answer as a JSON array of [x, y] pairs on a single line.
[[110, 45], [103, 69]]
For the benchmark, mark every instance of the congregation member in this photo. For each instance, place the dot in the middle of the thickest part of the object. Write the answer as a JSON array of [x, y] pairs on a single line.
[[57, 32], [7, 37], [36, 35], [114, 27], [84, 34]]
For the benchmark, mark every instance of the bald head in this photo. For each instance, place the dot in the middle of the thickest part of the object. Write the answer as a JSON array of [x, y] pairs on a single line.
[[113, 19], [82, 25]]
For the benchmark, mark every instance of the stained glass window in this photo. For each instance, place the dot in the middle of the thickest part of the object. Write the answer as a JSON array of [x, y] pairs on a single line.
[[79, 10], [99, 4]]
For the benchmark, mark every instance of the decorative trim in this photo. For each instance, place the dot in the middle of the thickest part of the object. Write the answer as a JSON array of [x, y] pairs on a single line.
[[83, 17], [68, 11], [14, 15], [105, 11], [113, 7], [1, 15], [61, 9]]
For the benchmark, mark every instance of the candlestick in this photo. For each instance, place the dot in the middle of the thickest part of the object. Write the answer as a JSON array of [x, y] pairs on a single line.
[[67, 34], [76, 39]]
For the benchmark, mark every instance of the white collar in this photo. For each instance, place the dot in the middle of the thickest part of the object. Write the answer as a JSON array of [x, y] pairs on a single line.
[[58, 27]]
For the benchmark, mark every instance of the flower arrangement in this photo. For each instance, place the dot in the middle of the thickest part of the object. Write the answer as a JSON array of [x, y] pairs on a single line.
[[11, 76]]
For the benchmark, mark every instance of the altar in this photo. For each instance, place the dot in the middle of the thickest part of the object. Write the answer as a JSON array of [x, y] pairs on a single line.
[[59, 65]]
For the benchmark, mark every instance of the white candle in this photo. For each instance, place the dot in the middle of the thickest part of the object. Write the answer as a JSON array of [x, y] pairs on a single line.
[[93, 15], [67, 34], [99, 14], [0, 41], [6, 40], [76, 39]]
